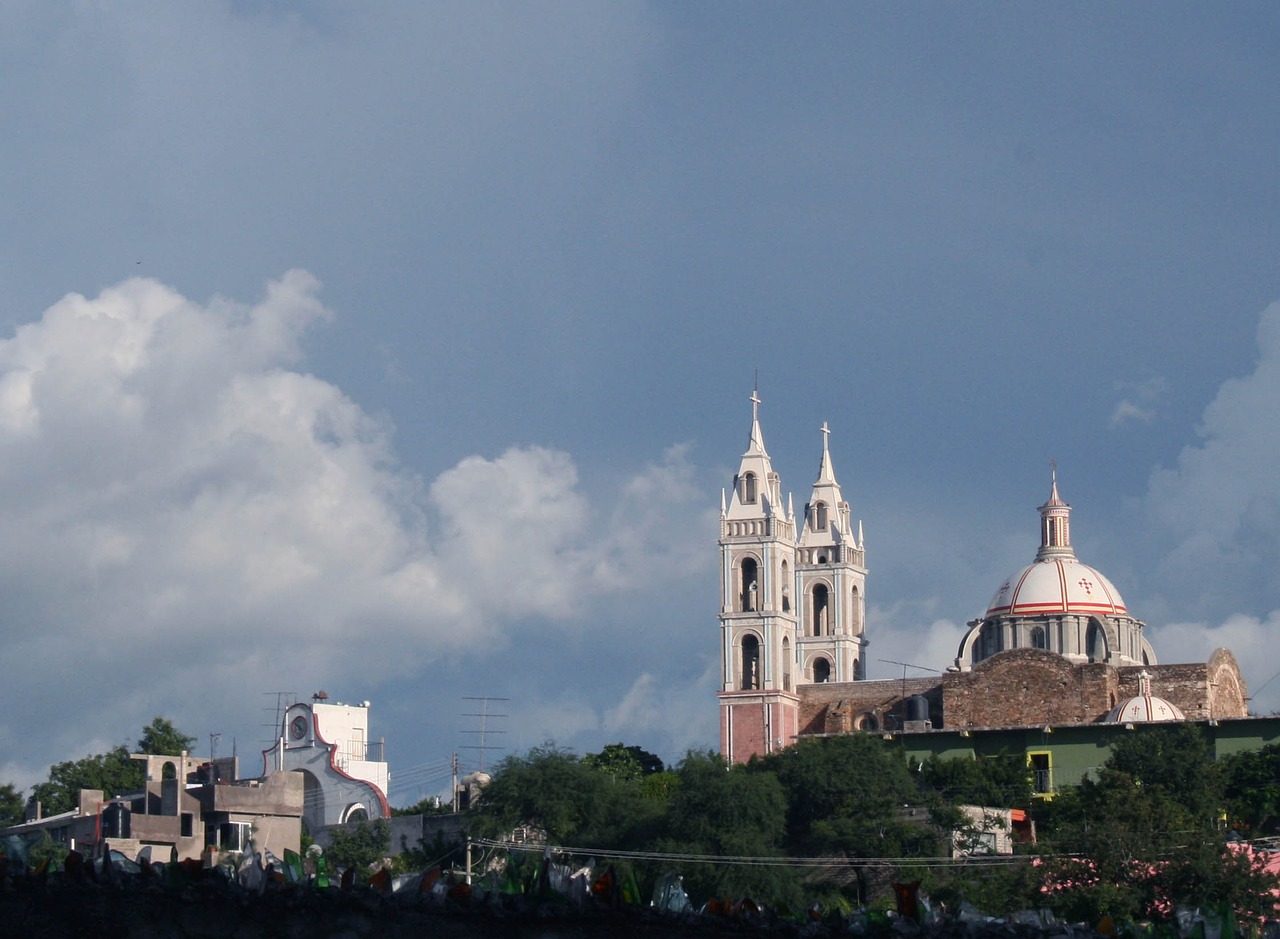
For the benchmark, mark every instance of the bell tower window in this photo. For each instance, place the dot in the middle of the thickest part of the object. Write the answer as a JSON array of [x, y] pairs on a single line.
[[750, 664], [821, 670], [820, 608], [749, 585], [749, 488], [819, 516]]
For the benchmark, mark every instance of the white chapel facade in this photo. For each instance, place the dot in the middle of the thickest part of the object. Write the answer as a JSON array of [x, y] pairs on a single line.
[[792, 599]]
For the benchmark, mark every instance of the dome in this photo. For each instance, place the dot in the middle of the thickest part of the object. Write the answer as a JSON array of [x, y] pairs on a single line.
[[1056, 585], [1145, 707]]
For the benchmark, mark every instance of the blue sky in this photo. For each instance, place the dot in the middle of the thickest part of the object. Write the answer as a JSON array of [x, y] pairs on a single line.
[[402, 351]]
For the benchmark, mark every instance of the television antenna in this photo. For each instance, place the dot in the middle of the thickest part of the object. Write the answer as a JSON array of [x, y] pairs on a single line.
[[483, 731]]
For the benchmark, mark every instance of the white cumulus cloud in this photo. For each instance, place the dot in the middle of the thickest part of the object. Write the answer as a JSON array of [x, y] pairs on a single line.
[[189, 520]]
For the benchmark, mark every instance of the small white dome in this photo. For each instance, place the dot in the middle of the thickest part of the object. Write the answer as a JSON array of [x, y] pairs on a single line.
[[1056, 585], [1145, 707]]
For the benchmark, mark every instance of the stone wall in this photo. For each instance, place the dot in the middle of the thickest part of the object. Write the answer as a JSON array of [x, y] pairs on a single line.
[[846, 706], [1023, 688]]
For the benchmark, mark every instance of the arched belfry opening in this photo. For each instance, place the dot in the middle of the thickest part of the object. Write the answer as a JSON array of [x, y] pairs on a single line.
[[821, 670], [749, 585], [750, 679], [749, 488], [821, 611], [785, 580], [819, 516]]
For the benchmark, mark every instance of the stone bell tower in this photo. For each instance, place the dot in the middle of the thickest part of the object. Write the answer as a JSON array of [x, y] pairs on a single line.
[[832, 579], [759, 708]]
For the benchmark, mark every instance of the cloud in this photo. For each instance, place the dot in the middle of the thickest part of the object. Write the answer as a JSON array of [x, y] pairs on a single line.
[[686, 712], [1139, 403], [909, 631], [1251, 639], [1215, 515], [185, 511]]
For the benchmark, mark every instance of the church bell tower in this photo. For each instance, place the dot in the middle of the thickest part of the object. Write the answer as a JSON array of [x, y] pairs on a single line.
[[759, 708], [832, 580]]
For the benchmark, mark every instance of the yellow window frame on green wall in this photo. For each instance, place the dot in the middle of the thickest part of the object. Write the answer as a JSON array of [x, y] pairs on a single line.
[[1040, 764]]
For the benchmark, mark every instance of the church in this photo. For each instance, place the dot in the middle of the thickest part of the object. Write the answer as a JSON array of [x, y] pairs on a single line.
[[1056, 650]]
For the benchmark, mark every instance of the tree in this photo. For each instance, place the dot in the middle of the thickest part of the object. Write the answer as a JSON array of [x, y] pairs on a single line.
[[360, 846], [1144, 835], [844, 796], [1001, 781], [623, 762], [575, 804], [736, 811], [161, 738], [1252, 790], [12, 806]]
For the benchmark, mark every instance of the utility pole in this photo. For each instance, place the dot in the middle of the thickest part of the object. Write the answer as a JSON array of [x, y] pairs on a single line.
[[455, 782]]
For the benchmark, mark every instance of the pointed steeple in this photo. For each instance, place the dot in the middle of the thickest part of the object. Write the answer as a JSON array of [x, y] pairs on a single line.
[[827, 514], [755, 445], [1055, 524], [756, 489], [825, 473]]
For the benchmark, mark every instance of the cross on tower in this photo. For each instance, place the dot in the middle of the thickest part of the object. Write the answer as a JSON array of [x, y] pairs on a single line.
[[755, 403], [826, 434]]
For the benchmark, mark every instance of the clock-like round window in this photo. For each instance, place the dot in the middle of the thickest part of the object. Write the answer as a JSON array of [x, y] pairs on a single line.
[[298, 728]]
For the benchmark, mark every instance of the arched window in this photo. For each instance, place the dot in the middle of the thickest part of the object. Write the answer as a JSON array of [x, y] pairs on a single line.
[[855, 611], [749, 488], [821, 670], [785, 580], [1037, 638], [819, 625], [819, 516], [749, 585], [750, 680], [169, 770], [786, 664]]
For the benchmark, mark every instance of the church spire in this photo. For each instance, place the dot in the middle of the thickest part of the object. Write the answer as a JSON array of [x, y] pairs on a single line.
[[825, 473], [757, 491], [755, 446], [827, 514], [1055, 523]]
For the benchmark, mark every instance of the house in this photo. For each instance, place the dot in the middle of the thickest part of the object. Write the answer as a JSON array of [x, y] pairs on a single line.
[[180, 813]]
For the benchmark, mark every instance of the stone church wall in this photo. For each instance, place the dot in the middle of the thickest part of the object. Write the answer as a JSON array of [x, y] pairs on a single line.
[[1022, 688], [843, 707]]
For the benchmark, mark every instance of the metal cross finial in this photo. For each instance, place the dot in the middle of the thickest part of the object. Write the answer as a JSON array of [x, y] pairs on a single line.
[[826, 434], [1053, 469], [755, 403]]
